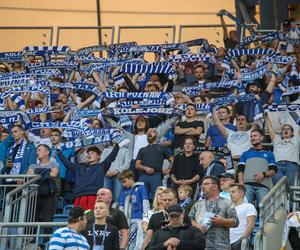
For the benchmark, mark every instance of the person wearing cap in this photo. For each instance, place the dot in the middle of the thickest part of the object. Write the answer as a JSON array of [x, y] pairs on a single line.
[[246, 213], [90, 175], [69, 237], [226, 180], [176, 234], [214, 215], [158, 220], [248, 108], [149, 162]]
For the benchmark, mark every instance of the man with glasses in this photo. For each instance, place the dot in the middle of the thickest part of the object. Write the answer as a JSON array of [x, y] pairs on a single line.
[[177, 235], [214, 215]]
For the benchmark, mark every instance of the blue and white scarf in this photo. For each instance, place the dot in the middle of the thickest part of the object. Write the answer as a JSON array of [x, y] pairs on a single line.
[[150, 68], [15, 80], [212, 85], [282, 107], [11, 57], [79, 125], [91, 49], [17, 162], [53, 65], [151, 111], [95, 132], [46, 72], [182, 58], [50, 50], [11, 117], [135, 95]]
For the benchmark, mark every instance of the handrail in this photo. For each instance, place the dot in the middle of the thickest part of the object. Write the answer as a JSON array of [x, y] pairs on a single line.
[[21, 187], [33, 28], [199, 26], [276, 198], [173, 27], [59, 28]]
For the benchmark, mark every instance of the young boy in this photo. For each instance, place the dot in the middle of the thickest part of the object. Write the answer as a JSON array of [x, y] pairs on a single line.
[[184, 195], [100, 234], [133, 201]]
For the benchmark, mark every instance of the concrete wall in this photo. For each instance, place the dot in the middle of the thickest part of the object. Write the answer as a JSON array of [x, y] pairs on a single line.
[[113, 13]]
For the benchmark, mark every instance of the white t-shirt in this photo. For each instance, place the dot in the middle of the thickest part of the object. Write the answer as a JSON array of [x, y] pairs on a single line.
[[238, 142], [243, 211], [140, 141], [286, 149]]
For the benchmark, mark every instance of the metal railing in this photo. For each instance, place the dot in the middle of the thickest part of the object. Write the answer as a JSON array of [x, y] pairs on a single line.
[[21, 36], [277, 198], [20, 200], [167, 37], [106, 34], [201, 27], [33, 235]]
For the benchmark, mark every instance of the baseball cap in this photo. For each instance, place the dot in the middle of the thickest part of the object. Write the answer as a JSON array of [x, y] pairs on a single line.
[[175, 209], [226, 175]]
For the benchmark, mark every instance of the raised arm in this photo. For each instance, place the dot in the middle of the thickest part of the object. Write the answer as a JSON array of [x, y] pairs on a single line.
[[218, 123], [66, 162], [270, 127]]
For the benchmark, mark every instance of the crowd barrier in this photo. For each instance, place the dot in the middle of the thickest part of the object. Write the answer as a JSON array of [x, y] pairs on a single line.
[[273, 214], [15, 240], [19, 203], [15, 37]]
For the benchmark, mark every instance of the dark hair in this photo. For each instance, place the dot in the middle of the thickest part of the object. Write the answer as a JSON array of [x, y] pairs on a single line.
[[191, 104], [136, 121], [191, 138], [122, 87], [239, 186], [258, 130], [17, 125], [56, 130], [126, 174], [94, 149], [225, 107], [76, 214], [213, 179], [45, 146]]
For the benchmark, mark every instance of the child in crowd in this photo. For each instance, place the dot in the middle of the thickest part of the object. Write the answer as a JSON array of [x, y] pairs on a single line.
[[185, 200], [133, 201]]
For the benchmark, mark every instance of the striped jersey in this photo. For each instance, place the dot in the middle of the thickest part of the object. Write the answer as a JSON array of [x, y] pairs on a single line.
[[66, 238]]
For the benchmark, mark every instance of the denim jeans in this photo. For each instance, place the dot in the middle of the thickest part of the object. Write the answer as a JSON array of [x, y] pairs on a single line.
[[151, 182], [113, 184], [286, 168], [255, 193]]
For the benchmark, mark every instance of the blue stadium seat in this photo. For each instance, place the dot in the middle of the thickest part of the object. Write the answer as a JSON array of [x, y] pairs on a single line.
[[67, 209]]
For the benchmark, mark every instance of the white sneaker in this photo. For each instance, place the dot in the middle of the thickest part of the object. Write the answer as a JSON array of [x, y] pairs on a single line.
[[124, 142]]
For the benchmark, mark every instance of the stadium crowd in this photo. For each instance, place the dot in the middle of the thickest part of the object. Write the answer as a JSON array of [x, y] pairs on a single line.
[[169, 154]]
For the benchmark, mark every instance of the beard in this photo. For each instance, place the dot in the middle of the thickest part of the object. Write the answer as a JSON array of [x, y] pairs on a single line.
[[151, 139]]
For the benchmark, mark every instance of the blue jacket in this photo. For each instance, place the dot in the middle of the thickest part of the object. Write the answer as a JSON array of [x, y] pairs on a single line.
[[29, 154], [134, 201], [89, 178]]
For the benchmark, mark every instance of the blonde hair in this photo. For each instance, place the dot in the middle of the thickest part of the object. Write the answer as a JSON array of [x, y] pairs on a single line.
[[155, 201]]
